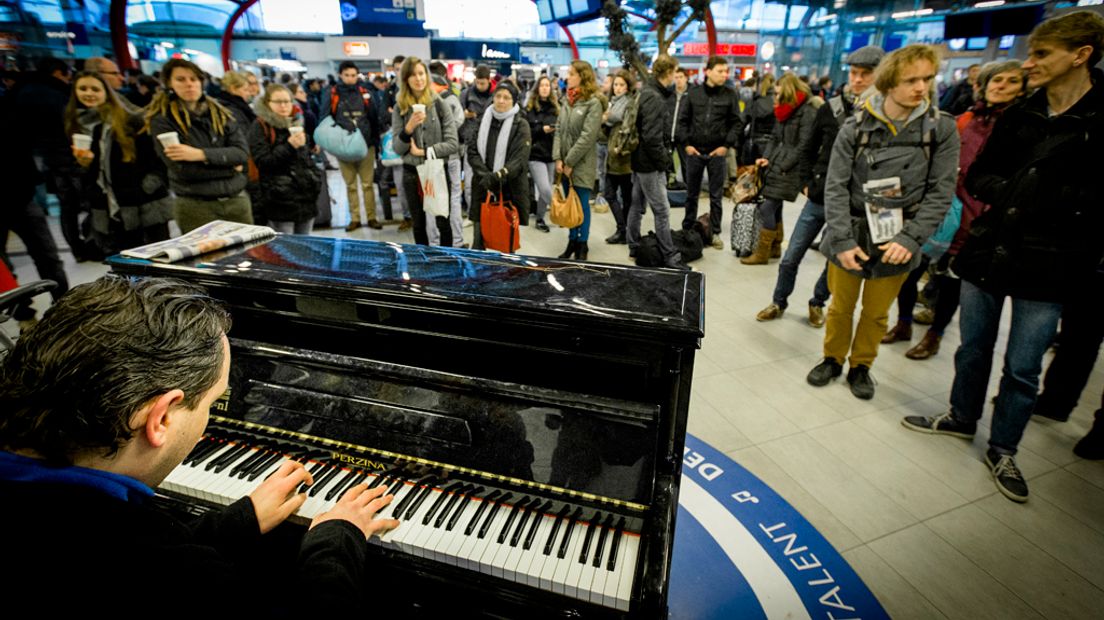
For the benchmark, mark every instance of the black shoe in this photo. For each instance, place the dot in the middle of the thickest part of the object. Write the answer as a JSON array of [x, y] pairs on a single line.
[[862, 384], [1091, 446], [632, 252], [1010, 482], [679, 265], [570, 251], [541, 226], [581, 250], [824, 372], [617, 238], [944, 424]]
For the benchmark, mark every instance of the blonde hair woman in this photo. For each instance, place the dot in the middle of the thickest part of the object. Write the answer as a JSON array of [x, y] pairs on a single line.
[[575, 147]]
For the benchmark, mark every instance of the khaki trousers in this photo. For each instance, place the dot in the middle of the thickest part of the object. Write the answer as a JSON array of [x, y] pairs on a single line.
[[366, 170], [191, 213], [877, 296]]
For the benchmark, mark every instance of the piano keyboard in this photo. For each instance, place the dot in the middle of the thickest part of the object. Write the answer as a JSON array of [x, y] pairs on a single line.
[[584, 553]]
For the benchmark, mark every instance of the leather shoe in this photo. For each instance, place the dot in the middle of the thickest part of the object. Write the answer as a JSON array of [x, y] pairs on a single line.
[[927, 347], [375, 225], [816, 315], [901, 332], [352, 226], [770, 313], [617, 238], [862, 384], [824, 372], [405, 225]]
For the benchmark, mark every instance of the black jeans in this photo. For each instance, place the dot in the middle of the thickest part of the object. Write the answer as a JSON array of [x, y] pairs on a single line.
[[696, 165], [417, 213], [1079, 343], [906, 299], [619, 183], [29, 223], [75, 230]]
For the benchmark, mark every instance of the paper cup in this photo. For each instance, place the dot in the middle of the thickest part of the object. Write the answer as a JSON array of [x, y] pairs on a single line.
[[418, 107], [82, 141], [169, 138], [295, 130]]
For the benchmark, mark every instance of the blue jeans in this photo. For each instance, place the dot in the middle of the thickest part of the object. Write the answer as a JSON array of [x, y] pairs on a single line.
[[582, 231], [650, 190], [1034, 324], [808, 226]]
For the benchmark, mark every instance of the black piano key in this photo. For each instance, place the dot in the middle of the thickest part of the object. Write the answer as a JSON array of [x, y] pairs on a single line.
[[615, 544], [555, 529], [462, 505], [417, 503], [437, 503], [456, 497], [479, 512], [232, 453], [527, 511], [205, 449], [314, 470], [264, 465], [538, 514], [257, 455], [398, 480], [385, 479], [341, 484], [510, 519], [602, 540], [327, 476], [399, 507], [239, 454], [494, 511], [589, 536], [575, 516]]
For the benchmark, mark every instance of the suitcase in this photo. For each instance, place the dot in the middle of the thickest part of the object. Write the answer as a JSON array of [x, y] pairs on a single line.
[[745, 228]]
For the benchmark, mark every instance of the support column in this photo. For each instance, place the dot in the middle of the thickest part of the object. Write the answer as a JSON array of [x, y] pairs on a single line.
[[119, 38], [228, 33]]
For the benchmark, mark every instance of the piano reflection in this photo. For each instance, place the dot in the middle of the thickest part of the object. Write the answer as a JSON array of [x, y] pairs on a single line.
[[528, 414]]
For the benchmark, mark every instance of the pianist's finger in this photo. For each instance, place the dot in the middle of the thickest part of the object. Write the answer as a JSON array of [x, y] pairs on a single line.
[[275, 499]]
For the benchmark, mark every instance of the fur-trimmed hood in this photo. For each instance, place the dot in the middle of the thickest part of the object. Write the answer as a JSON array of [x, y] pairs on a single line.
[[279, 122]]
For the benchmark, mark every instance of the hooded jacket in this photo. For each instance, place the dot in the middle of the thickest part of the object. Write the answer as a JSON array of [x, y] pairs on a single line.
[[788, 153], [289, 180], [575, 141], [215, 178], [927, 185], [653, 125]]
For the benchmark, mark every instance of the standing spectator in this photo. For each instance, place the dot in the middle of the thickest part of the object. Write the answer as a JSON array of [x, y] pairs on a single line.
[[146, 86], [419, 135], [289, 180], [499, 157], [682, 86], [605, 92], [315, 93], [760, 120], [575, 147], [960, 97], [350, 104], [618, 166], [474, 100], [829, 118], [652, 160], [396, 180], [1039, 243], [235, 96], [542, 111], [124, 182], [205, 168], [452, 170], [709, 125], [786, 162], [302, 105], [825, 87], [898, 135]]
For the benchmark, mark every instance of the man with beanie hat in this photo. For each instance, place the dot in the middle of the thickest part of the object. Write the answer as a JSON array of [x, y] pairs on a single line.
[[452, 168]]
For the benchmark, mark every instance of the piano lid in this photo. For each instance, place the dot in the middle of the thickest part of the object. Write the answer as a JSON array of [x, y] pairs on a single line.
[[652, 299]]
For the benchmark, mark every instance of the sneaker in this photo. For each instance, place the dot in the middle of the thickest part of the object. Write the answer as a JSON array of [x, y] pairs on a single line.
[[540, 225], [816, 315], [1010, 481], [405, 225], [943, 424], [862, 384], [718, 243], [824, 372], [770, 313]]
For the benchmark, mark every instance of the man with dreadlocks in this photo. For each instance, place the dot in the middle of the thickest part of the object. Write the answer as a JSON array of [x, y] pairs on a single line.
[[205, 167]]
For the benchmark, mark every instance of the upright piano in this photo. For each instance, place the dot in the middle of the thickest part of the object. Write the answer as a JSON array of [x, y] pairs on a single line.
[[528, 414]]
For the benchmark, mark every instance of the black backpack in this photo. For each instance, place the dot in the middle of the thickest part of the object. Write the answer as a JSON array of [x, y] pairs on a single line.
[[687, 242]]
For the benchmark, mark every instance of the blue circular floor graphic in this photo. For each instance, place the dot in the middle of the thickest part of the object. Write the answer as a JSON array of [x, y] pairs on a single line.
[[741, 551]]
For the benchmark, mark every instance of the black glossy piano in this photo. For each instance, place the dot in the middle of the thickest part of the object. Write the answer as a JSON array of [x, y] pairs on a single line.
[[529, 414]]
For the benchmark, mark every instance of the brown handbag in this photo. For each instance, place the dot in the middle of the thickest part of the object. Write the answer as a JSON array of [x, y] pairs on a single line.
[[566, 211]]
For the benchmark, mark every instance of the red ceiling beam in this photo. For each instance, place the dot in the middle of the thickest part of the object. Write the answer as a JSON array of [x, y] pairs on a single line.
[[228, 34], [119, 38]]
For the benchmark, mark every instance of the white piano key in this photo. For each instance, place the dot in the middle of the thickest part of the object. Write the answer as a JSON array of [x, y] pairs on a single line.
[[598, 583], [491, 547], [626, 570], [565, 565]]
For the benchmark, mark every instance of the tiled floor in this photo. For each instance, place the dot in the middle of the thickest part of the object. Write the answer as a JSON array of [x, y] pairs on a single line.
[[916, 515]]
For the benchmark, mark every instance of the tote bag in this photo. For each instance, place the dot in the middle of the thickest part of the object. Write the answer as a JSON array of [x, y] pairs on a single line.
[[566, 211], [434, 188], [338, 141], [499, 224]]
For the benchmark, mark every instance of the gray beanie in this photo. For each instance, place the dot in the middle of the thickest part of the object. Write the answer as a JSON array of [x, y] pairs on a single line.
[[868, 56]]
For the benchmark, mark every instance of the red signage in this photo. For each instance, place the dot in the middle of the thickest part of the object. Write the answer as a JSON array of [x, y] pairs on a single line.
[[723, 49]]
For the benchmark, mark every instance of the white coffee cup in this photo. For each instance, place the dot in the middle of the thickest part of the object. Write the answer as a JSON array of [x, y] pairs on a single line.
[[295, 130], [82, 141], [418, 107], [169, 138]]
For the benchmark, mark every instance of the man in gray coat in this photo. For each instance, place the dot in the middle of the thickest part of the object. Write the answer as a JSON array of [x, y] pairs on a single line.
[[890, 181]]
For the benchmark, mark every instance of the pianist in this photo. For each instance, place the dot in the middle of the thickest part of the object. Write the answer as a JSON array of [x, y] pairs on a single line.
[[98, 403]]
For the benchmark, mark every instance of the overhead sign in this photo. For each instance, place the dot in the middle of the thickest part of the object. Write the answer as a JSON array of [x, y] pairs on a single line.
[[463, 50], [357, 48], [723, 49]]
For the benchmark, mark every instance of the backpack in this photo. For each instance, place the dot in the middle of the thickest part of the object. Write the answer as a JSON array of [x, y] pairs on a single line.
[[270, 133], [364, 94], [626, 138]]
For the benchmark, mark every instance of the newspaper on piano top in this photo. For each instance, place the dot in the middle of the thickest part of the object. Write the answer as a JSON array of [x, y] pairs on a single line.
[[207, 238]]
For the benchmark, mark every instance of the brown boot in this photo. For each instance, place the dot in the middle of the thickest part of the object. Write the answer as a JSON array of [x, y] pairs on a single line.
[[776, 246], [762, 249], [901, 332], [927, 347]]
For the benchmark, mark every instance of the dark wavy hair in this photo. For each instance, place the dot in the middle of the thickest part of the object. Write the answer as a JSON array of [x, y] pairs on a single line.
[[103, 351]]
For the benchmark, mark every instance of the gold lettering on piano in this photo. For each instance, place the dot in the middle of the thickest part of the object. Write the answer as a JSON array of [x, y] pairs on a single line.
[[358, 461], [221, 405]]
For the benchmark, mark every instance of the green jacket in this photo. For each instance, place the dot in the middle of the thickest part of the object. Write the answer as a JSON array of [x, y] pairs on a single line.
[[576, 140]]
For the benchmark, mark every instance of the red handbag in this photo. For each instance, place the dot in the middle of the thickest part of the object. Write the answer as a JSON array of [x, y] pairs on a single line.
[[499, 223]]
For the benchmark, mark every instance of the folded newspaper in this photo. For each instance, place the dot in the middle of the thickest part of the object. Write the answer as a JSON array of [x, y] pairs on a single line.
[[207, 238]]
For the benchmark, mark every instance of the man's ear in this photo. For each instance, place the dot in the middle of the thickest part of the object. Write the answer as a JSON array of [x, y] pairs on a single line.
[[159, 417], [1082, 54]]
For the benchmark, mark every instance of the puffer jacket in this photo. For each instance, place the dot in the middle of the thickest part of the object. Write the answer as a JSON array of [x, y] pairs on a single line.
[[217, 177], [575, 141], [545, 114], [788, 153], [1041, 237], [438, 132], [927, 186], [653, 124], [709, 117], [289, 180]]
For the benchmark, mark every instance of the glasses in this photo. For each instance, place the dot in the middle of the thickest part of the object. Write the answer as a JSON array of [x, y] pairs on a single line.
[[280, 101]]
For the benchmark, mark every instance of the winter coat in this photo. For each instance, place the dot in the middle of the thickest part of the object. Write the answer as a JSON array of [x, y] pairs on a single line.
[[575, 141], [438, 131], [709, 117], [215, 178], [760, 125], [958, 99], [619, 163], [353, 109], [788, 154], [653, 124], [39, 103], [825, 127], [516, 185], [545, 114], [927, 185], [471, 100], [974, 128], [1041, 237], [239, 107], [289, 181]]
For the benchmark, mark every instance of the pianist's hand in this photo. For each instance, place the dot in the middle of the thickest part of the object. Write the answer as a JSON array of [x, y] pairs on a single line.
[[275, 499], [359, 506]]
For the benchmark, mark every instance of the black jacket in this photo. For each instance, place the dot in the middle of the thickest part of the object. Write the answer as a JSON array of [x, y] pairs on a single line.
[[289, 181], [474, 101], [1041, 237], [39, 104], [760, 121], [825, 127], [215, 178], [354, 110], [653, 124], [710, 118], [788, 154], [545, 114], [516, 186], [238, 107]]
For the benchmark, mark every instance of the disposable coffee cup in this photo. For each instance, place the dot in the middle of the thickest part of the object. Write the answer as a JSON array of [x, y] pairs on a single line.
[[169, 138], [82, 141], [295, 130], [418, 107]]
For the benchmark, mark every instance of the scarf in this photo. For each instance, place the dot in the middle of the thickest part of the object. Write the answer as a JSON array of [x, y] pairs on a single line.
[[572, 95], [783, 111], [501, 145], [617, 108], [103, 179]]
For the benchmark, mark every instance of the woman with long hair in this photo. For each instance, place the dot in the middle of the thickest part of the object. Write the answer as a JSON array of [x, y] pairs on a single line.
[[125, 184], [236, 94], [289, 181], [760, 120], [499, 157], [426, 133], [575, 147], [618, 165], [542, 111], [793, 130], [203, 147]]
